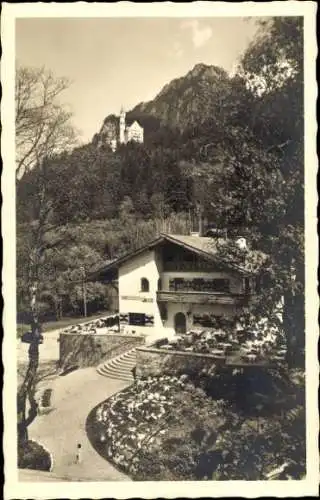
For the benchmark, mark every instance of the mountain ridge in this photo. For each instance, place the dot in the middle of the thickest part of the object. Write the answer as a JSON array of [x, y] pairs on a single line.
[[184, 101]]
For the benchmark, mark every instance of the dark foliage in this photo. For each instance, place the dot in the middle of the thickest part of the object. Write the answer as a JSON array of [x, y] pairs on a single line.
[[33, 456]]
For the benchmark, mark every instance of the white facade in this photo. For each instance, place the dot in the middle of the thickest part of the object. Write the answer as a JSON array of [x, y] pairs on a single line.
[[127, 133], [135, 301], [134, 132], [131, 297]]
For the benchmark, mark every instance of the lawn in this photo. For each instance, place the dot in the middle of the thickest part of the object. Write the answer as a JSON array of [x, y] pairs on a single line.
[[55, 325], [237, 425]]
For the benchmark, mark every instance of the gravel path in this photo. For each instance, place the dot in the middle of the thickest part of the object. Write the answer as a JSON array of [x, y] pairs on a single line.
[[73, 397], [60, 431]]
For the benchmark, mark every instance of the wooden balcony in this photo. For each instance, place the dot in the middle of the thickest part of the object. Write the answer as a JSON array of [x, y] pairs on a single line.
[[203, 297]]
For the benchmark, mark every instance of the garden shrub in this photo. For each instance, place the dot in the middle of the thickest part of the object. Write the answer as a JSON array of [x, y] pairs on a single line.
[[170, 445], [206, 464], [33, 456], [168, 428], [182, 462], [146, 467]]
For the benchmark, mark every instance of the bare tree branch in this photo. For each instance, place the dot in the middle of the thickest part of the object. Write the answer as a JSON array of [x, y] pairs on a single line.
[[42, 123]]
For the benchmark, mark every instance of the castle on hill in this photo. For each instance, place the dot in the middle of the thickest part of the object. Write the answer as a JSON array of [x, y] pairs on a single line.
[[118, 130]]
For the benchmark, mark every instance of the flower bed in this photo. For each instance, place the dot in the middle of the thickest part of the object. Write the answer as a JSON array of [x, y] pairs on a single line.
[[121, 425], [166, 428]]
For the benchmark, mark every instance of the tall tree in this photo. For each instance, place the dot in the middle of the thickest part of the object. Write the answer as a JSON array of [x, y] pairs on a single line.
[[42, 128], [42, 123], [273, 66], [248, 163]]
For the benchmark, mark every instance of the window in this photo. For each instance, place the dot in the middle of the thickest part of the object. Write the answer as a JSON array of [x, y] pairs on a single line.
[[220, 285], [198, 285], [207, 320], [159, 284], [246, 285], [137, 319], [144, 285], [163, 311]]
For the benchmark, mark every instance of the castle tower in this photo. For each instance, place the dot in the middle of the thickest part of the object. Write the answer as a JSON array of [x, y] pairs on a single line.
[[122, 126]]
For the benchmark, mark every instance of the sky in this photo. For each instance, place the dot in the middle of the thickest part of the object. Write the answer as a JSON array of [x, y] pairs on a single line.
[[114, 62]]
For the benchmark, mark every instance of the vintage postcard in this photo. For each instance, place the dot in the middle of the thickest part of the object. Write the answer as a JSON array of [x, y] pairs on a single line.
[[160, 249]]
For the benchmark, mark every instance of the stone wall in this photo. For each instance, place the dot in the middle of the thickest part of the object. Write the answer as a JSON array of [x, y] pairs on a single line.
[[153, 362], [90, 350]]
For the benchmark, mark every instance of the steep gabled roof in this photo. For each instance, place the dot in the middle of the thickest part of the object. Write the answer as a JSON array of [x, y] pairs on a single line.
[[202, 244], [205, 247], [131, 121]]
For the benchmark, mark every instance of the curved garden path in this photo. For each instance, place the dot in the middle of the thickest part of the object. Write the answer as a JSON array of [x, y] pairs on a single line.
[[73, 397]]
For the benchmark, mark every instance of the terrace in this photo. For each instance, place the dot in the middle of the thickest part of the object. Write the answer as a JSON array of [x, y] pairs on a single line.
[[201, 350], [238, 348]]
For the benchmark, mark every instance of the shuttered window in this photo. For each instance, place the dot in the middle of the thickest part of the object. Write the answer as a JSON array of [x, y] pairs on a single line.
[[137, 319]]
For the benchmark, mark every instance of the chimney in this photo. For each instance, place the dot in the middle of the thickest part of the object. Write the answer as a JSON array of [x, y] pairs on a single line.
[[198, 222]]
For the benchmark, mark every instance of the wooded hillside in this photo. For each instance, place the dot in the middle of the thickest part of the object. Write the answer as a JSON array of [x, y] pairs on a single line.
[[235, 144]]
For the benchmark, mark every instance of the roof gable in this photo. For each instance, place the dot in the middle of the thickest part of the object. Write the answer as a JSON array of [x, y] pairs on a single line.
[[131, 123], [205, 247]]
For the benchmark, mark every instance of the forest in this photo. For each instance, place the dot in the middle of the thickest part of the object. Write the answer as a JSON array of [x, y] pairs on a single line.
[[236, 154]]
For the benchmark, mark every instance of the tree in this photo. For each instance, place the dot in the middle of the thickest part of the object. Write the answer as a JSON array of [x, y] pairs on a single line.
[[42, 123], [42, 129], [246, 163], [273, 66]]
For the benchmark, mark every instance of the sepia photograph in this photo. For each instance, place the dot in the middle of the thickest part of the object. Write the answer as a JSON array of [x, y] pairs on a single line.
[[160, 248]]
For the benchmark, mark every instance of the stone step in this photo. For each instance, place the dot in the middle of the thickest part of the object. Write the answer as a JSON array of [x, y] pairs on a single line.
[[119, 367], [119, 376], [113, 371], [121, 362], [131, 357]]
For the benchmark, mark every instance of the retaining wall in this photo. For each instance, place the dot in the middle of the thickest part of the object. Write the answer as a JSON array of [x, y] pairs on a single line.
[[91, 349], [154, 362]]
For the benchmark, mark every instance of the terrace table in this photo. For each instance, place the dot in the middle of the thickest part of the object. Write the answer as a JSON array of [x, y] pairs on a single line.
[[217, 352], [251, 358], [277, 358]]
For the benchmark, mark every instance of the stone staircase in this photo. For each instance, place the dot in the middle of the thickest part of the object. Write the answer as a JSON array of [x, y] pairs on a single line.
[[119, 367]]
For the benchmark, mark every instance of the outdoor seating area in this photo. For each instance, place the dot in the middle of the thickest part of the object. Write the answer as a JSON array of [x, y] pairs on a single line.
[[98, 326], [246, 346]]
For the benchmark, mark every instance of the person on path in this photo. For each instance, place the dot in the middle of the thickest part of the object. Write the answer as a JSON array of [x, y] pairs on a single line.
[[79, 454]]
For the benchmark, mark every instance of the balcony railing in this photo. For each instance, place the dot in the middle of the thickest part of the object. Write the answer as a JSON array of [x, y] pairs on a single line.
[[220, 285], [192, 297]]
